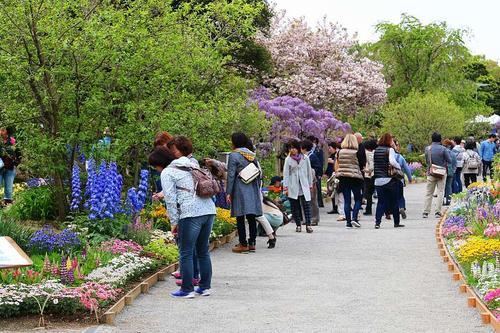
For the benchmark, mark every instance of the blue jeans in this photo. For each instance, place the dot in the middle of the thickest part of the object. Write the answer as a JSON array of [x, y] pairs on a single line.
[[448, 188], [358, 200], [388, 201], [196, 270], [194, 233], [7, 182], [457, 181]]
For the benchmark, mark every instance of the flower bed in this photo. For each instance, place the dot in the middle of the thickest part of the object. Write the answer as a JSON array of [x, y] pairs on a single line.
[[111, 248], [471, 239]]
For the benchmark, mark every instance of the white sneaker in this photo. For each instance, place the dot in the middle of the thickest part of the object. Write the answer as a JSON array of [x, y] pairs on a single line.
[[203, 292], [356, 224]]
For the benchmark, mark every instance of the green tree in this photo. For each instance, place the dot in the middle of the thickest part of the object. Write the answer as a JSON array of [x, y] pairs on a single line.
[[68, 69], [419, 57], [414, 118], [247, 56], [486, 76]]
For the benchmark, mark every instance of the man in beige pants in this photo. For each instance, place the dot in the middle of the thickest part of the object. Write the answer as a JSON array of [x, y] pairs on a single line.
[[435, 154], [432, 183]]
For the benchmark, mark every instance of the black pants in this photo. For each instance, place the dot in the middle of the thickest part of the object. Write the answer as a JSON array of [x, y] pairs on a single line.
[[487, 165], [469, 178], [368, 194], [297, 205], [252, 228], [388, 201], [320, 192]]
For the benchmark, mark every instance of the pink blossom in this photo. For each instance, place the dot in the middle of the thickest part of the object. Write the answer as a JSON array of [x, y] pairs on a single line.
[[322, 67], [117, 246], [492, 295], [492, 230]]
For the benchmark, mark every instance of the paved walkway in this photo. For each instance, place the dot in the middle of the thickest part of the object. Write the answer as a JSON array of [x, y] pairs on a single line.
[[334, 280]]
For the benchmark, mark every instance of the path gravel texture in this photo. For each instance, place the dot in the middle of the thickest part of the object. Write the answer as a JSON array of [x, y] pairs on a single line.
[[334, 280]]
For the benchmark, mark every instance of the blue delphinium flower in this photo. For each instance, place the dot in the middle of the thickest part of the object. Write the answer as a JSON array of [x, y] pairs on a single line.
[[76, 190], [91, 179], [132, 201], [143, 189]]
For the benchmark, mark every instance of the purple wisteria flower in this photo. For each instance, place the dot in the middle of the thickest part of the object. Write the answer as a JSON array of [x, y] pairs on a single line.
[[294, 118]]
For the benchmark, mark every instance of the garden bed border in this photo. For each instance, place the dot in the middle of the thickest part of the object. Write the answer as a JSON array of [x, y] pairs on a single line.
[[145, 285], [473, 300]]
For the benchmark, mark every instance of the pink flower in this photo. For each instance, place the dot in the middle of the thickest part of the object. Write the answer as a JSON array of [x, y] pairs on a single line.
[[492, 295], [492, 230], [117, 246]]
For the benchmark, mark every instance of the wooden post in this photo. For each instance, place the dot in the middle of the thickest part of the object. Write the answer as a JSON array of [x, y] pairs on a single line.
[[471, 302]]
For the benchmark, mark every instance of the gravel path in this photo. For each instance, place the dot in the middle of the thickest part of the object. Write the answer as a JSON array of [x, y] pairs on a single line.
[[334, 280]]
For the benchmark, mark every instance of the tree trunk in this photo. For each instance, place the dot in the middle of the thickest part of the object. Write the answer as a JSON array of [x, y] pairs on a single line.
[[60, 197]]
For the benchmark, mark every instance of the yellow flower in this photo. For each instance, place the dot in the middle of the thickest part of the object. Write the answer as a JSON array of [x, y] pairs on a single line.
[[225, 215], [477, 248]]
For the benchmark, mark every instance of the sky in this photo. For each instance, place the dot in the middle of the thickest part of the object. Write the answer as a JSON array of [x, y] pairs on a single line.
[[480, 17]]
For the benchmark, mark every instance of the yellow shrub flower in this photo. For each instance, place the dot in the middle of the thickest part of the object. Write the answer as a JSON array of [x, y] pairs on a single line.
[[225, 215], [477, 248]]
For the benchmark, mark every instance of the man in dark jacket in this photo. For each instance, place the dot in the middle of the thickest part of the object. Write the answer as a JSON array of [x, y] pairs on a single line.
[[320, 155], [435, 154], [308, 150]]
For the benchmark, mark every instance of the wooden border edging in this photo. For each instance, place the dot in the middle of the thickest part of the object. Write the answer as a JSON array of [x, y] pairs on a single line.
[[144, 286], [473, 300]]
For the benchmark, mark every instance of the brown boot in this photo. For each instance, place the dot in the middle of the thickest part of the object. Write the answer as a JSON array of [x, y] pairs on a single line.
[[240, 248]]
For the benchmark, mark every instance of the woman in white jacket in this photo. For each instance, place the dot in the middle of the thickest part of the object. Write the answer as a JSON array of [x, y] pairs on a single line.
[[298, 182]]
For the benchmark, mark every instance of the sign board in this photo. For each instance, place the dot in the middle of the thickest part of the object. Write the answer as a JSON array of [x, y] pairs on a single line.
[[11, 255]]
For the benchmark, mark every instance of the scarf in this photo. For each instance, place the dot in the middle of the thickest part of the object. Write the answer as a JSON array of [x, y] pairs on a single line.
[[246, 153], [297, 158]]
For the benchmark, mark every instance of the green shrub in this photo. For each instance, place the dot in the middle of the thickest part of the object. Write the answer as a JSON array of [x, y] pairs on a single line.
[[415, 157], [19, 233], [167, 253], [37, 203]]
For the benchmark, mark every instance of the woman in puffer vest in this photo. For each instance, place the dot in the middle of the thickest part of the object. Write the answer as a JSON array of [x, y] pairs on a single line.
[[350, 179]]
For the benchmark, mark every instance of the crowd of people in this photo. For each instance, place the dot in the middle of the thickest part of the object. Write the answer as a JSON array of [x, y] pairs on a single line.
[[357, 171]]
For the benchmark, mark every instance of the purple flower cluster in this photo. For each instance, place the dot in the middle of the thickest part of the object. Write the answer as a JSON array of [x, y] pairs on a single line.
[[103, 190], [136, 199], [76, 188], [457, 221], [293, 117], [47, 240], [37, 182]]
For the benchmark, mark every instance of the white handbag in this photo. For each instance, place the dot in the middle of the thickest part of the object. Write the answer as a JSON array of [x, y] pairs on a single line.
[[249, 173], [436, 170]]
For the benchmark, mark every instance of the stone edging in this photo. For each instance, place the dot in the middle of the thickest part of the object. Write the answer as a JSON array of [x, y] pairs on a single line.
[[143, 287], [473, 300]]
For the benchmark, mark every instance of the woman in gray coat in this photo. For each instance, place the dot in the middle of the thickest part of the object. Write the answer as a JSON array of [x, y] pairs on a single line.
[[298, 182], [245, 199]]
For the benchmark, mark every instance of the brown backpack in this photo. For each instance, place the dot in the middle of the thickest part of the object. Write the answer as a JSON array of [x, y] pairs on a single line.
[[205, 185]]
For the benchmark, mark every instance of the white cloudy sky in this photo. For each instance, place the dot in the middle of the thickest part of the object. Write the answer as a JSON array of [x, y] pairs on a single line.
[[481, 17]]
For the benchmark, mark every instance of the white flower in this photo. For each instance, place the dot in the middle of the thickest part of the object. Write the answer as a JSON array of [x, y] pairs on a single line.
[[55, 301]]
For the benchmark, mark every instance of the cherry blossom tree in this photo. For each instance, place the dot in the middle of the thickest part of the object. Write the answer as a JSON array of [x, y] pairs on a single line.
[[322, 67]]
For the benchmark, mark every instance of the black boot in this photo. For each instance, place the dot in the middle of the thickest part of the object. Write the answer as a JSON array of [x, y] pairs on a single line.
[[271, 243]]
